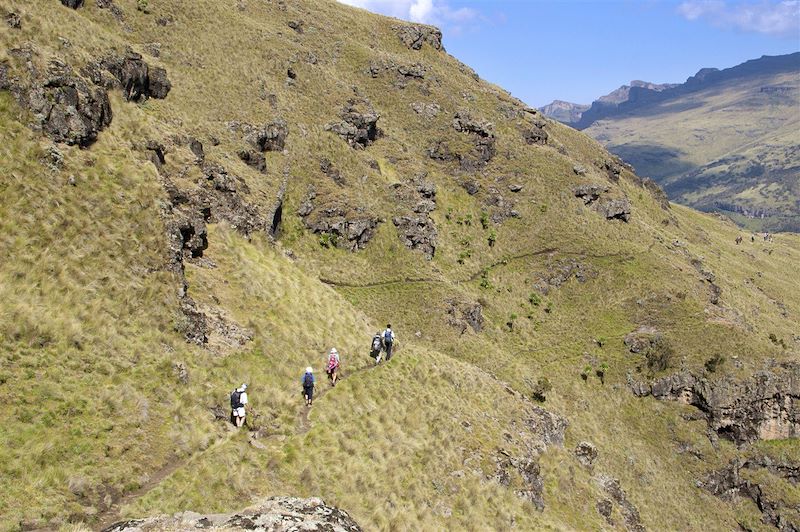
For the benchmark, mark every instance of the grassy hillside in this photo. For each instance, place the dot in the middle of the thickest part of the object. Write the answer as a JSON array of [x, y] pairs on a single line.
[[108, 411], [731, 147]]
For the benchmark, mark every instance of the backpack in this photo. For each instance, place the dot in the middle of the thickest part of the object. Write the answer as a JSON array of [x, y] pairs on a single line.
[[387, 336], [235, 397], [376, 343], [308, 380]]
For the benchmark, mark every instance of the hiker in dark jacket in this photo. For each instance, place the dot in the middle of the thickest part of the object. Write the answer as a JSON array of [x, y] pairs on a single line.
[[238, 403], [308, 386], [388, 341]]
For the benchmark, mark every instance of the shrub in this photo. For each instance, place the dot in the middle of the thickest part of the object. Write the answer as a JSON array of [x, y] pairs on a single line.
[[601, 372], [492, 238], [659, 355], [484, 219], [714, 362], [541, 388], [535, 299], [587, 370]]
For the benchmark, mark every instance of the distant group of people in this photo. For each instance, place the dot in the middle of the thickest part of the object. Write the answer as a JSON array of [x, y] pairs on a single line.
[[766, 236], [382, 342]]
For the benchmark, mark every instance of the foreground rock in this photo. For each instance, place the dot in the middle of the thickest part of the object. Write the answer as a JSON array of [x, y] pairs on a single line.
[[359, 124], [765, 406], [137, 79], [277, 514]]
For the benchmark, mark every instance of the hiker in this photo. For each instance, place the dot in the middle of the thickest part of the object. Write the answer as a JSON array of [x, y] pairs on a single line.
[[308, 386], [388, 341], [238, 402], [333, 366], [377, 347], [738, 240], [753, 237]]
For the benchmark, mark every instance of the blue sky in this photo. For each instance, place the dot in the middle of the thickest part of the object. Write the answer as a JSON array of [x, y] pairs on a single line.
[[578, 50]]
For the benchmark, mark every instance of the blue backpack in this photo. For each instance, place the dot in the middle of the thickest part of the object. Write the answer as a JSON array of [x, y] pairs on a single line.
[[308, 380], [387, 337]]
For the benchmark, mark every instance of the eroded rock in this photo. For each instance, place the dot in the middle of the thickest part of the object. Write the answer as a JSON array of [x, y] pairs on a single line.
[[338, 223], [74, 4], [615, 209], [765, 406], [417, 230], [536, 134]]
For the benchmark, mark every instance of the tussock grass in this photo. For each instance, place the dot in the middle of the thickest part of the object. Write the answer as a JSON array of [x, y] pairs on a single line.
[[92, 407]]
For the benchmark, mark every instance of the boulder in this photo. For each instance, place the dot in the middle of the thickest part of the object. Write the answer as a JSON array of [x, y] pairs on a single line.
[[270, 137], [415, 35], [464, 123], [74, 4], [586, 453], [589, 193], [579, 169], [13, 20], [616, 209], [640, 340], [613, 170], [253, 159], [276, 514]]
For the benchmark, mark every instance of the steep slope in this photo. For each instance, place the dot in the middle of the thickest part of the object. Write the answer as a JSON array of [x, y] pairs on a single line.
[[191, 218], [726, 140]]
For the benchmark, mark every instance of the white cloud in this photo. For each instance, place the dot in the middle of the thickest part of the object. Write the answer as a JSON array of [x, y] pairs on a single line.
[[427, 11], [780, 18]]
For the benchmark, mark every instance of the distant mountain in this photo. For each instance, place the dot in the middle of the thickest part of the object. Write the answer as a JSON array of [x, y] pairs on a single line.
[[571, 113], [562, 111], [724, 140]]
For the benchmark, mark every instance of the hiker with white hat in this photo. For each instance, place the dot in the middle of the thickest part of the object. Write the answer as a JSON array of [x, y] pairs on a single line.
[[333, 366]]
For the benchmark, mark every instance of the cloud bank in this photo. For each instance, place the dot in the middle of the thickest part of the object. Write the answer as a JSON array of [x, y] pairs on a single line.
[[781, 18], [426, 11]]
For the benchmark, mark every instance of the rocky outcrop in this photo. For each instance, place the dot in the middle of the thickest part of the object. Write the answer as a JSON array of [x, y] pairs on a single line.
[[269, 137], [416, 35], [359, 124], [426, 110], [500, 207], [482, 133], [417, 229], [134, 76], [730, 484], [589, 193], [615, 209], [254, 160], [630, 514], [536, 134], [586, 453], [74, 4], [765, 406], [610, 208], [277, 514], [338, 223], [464, 314], [13, 20], [64, 105], [560, 272], [642, 339]]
